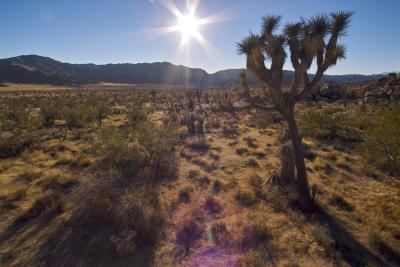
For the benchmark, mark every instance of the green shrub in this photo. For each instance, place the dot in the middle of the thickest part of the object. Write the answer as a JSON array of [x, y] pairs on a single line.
[[48, 113], [120, 153], [137, 113], [147, 153], [328, 124], [123, 219], [77, 116], [13, 143], [382, 143]]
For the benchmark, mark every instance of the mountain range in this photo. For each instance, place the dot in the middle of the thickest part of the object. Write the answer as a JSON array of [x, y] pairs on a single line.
[[44, 70]]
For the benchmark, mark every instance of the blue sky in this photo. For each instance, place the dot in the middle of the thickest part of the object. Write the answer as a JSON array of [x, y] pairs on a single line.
[[106, 31]]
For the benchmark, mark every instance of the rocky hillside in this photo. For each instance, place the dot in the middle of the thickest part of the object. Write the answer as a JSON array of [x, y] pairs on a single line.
[[44, 70], [385, 89]]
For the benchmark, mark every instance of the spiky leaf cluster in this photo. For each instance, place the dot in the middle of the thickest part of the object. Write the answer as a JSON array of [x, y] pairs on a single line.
[[306, 40]]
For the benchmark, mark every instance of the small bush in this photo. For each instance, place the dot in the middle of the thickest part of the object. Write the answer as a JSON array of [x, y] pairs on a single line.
[[12, 145], [136, 221], [76, 116], [137, 113], [49, 112]]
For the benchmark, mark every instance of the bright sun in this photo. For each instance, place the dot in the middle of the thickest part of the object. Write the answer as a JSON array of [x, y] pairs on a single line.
[[188, 25]]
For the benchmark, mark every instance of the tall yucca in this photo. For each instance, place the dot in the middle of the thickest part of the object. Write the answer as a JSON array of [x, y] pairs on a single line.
[[308, 41]]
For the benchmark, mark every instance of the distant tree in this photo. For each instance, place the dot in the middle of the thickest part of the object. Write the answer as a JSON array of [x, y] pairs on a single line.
[[153, 94], [308, 40], [199, 93], [245, 87]]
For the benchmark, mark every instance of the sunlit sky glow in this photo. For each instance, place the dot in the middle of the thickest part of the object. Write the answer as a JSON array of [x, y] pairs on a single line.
[[196, 33]]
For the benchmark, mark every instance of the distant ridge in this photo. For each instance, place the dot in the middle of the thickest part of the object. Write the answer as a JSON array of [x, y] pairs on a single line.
[[44, 70]]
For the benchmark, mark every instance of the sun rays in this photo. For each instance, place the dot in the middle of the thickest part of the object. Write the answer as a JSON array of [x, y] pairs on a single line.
[[187, 24]]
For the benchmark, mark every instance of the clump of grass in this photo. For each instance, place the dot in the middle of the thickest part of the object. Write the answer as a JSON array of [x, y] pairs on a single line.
[[252, 163], [241, 151], [232, 183], [193, 174], [204, 181], [339, 201], [344, 164], [256, 181], [217, 186], [332, 157], [188, 232], [322, 236], [385, 245], [184, 195], [198, 143], [259, 227], [48, 203], [260, 154], [251, 142], [230, 132], [257, 257], [205, 164], [246, 197], [214, 156]]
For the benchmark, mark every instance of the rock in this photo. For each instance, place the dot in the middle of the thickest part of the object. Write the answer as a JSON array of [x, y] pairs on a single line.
[[333, 92], [377, 94], [371, 100], [344, 102]]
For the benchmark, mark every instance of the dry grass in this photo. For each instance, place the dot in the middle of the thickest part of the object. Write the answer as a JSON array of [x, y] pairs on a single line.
[[221, 199]]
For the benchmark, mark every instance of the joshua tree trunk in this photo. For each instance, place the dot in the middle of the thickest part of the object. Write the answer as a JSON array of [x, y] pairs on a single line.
[[246, 89], [302, 181], [245, 85]]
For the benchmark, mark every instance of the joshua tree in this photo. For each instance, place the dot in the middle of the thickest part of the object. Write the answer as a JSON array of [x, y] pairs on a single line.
[[308, 40], [199, 93], [153, 94], [243, 81]]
